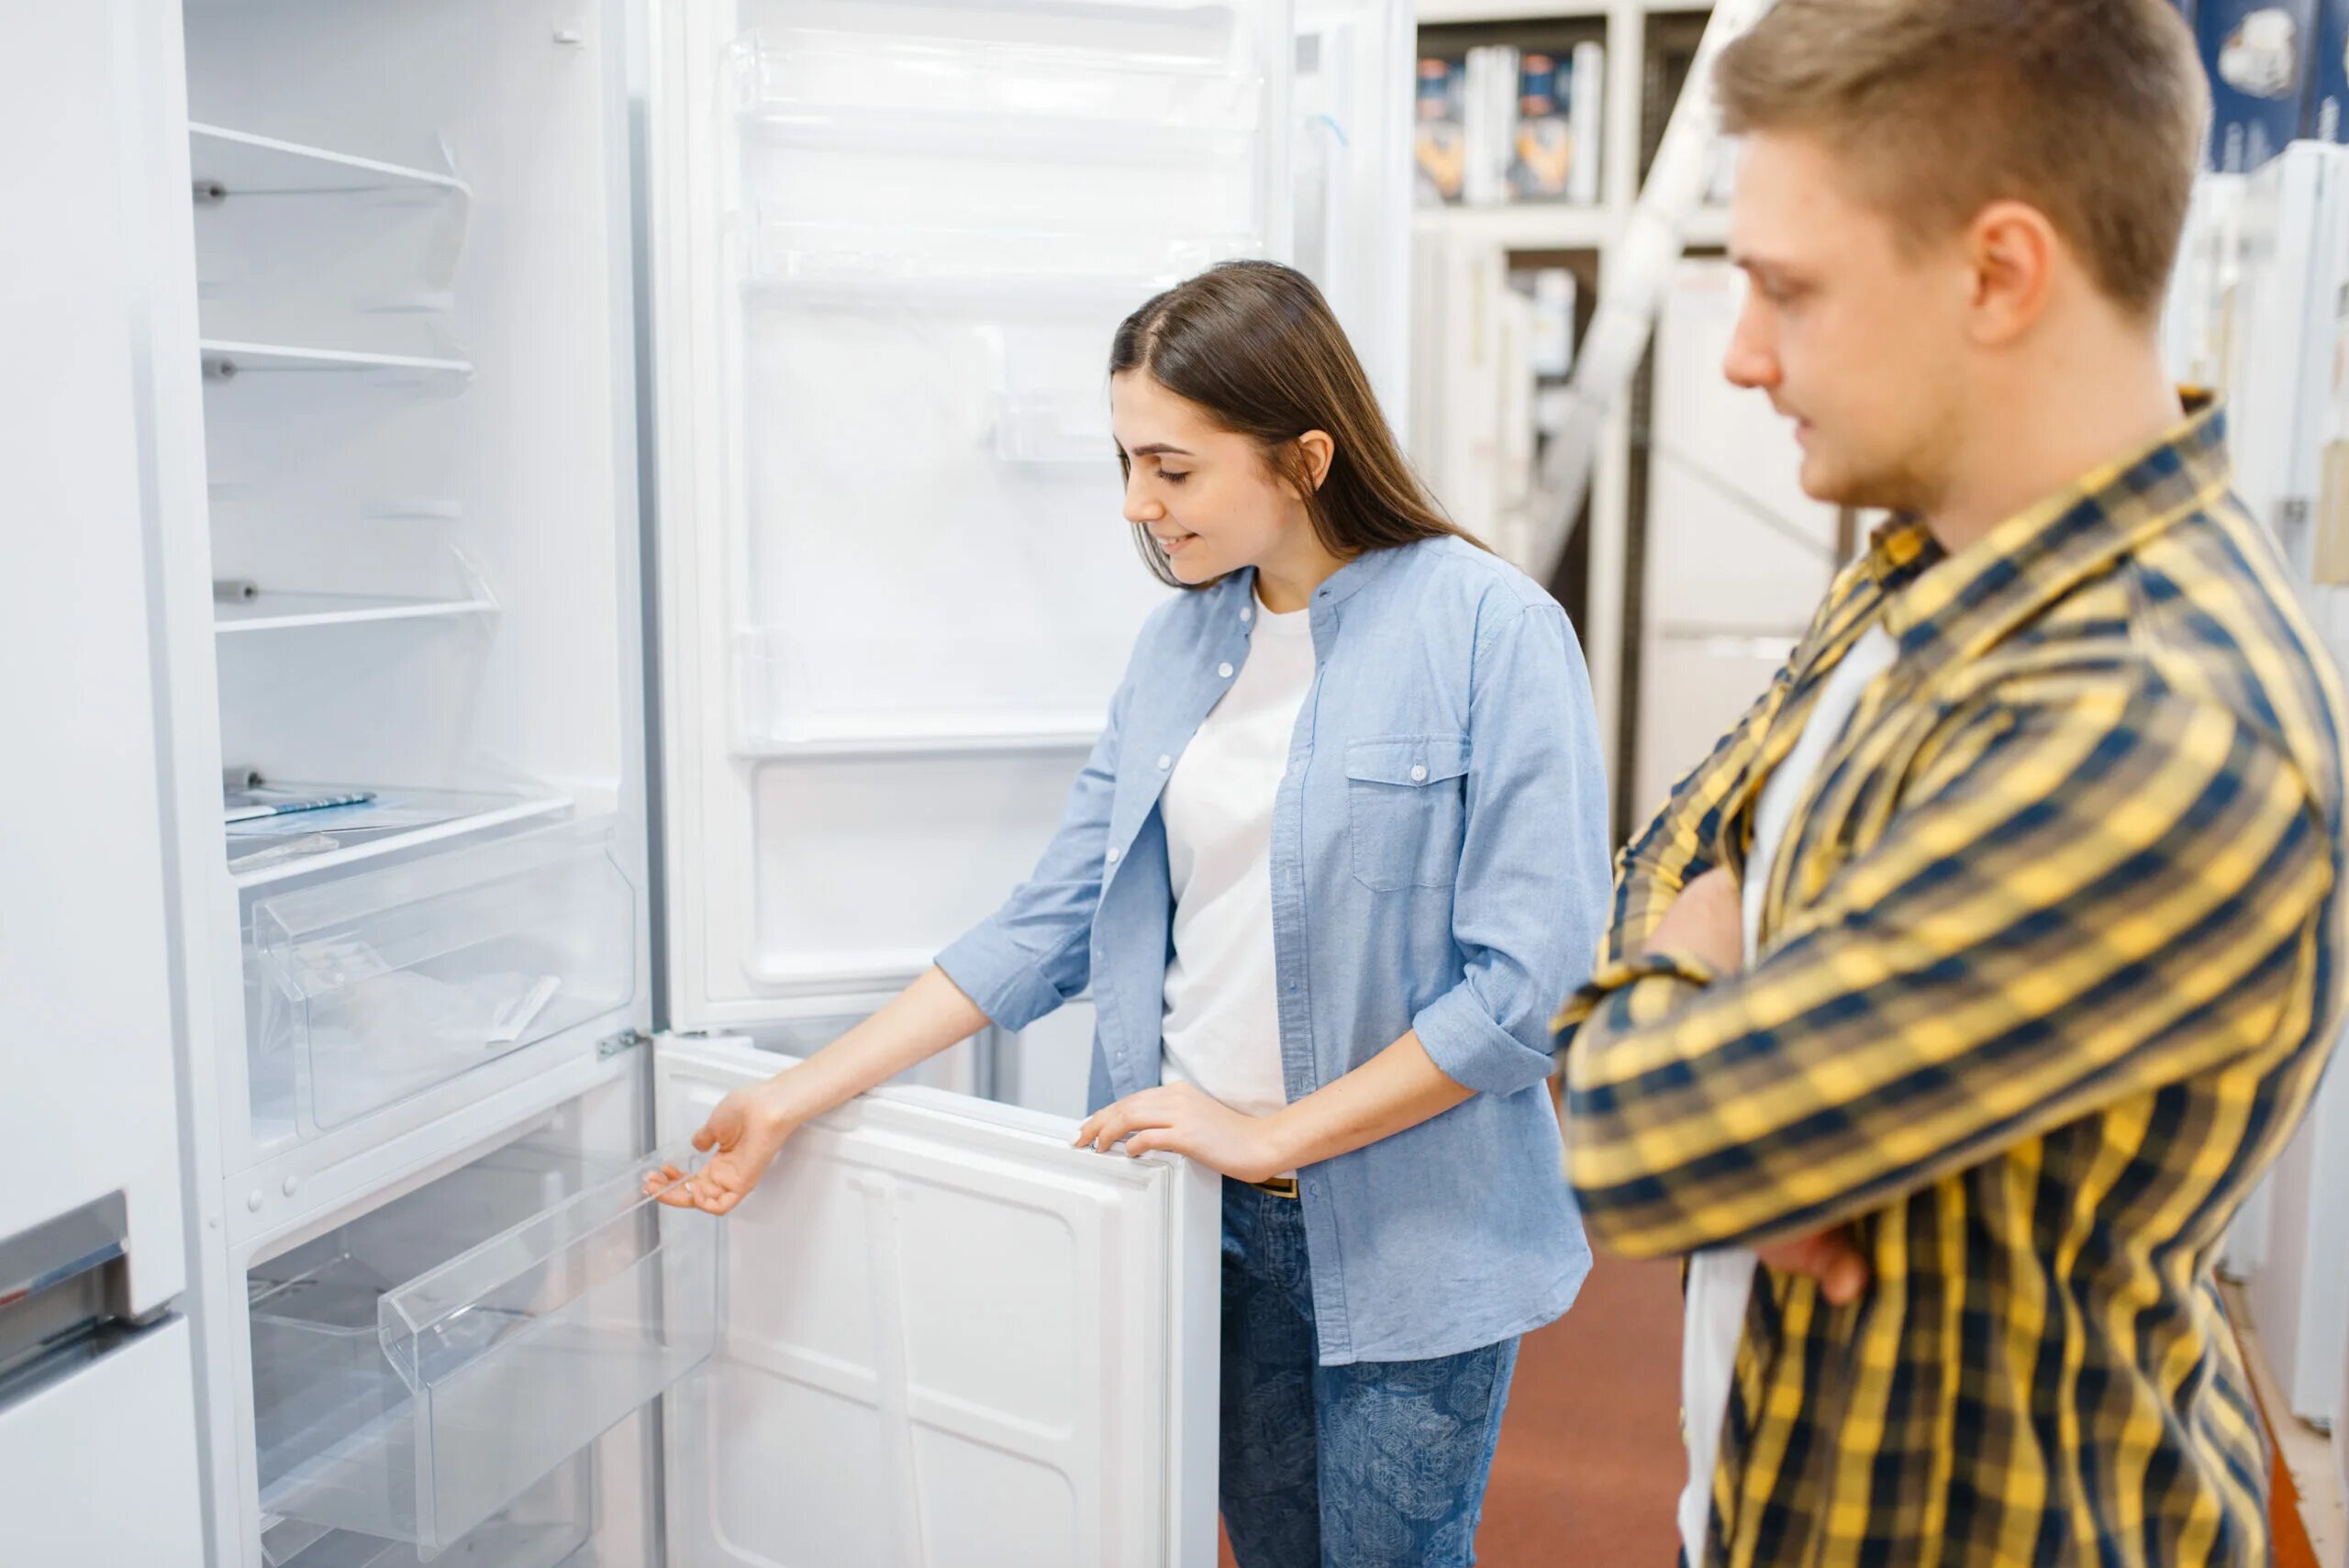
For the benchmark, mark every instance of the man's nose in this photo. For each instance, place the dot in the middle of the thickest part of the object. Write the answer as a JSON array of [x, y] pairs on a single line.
[[1751, 362]]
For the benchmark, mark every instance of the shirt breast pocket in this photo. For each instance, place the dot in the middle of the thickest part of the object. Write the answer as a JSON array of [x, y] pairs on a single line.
[[1404, 806]]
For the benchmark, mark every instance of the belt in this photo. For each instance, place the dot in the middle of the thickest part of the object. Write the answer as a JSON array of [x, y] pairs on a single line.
[[1279, 1186]]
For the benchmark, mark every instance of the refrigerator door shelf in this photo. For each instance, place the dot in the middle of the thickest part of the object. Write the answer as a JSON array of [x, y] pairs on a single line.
[[799, 698], [416, 1409], [1207, 80], [934, 269]]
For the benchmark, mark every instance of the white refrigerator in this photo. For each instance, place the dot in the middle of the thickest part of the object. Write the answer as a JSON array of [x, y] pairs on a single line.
[[1739, 557], [2260, 304], [657, 455], [97, 1421]]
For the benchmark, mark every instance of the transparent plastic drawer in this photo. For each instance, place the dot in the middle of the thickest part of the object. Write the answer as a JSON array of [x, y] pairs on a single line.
[[544, 1528], [414, 1408], [373, 986]]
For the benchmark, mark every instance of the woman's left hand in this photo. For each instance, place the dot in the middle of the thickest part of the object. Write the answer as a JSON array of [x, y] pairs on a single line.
[[1185, 1119]]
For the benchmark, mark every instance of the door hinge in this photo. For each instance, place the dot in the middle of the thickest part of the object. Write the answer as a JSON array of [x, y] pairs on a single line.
[[626, 1040]]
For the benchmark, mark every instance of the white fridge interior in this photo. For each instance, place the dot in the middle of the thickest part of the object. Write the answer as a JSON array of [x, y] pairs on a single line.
[[417, 478], [884, 246], [98, 1440]]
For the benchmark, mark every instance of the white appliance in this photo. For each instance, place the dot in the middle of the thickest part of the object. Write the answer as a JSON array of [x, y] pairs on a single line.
[[716, 596], [2286, 329], [97, 1424], [1472, 389], [1738, 557]]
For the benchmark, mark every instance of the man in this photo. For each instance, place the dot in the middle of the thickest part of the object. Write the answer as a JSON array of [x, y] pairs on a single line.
[[1981, 970]]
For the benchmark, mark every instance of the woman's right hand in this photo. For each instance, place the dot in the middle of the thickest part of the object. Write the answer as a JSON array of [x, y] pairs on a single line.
[[748, 1129]]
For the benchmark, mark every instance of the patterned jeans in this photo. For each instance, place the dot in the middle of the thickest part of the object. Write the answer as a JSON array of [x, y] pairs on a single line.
[[1380, 1464]]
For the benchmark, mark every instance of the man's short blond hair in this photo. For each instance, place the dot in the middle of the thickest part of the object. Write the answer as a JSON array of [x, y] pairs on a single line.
[[2092, 111]]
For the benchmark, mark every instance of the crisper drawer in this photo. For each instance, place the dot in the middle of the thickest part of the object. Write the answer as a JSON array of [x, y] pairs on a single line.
[[541, 1529], [372, 987], [415, 1407]]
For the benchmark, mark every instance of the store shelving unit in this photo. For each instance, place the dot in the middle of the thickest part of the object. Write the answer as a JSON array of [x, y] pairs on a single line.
[[1583, 237]]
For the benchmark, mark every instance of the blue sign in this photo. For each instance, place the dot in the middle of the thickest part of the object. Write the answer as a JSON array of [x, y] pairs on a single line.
[[2328, 113], [2259, 55]]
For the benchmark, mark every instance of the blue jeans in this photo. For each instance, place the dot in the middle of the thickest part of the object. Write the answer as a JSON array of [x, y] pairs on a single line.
[[1380, 1464]]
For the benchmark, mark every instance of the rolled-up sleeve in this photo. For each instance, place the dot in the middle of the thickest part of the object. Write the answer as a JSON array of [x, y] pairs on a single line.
[[1530, 898], [1036, 951]]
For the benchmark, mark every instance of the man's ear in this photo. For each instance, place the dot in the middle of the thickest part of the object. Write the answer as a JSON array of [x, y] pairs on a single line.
[[2013, 251]]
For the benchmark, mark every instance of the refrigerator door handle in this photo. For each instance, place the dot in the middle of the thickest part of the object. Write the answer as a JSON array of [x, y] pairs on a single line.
[[62, 1278]]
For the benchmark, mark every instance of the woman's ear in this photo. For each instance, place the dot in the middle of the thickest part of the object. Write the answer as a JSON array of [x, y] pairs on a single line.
[[1314, 450]]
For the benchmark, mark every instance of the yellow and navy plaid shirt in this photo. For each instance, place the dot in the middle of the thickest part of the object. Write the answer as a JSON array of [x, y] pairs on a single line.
[[2050, 964]]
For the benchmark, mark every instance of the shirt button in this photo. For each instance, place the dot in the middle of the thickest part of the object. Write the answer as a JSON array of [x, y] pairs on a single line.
[[1113, 856], [1165, 761], [1419, 776], [1224, 669], [1247, 614]]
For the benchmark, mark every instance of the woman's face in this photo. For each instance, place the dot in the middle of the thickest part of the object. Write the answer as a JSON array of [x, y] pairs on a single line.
[[1204, 493]]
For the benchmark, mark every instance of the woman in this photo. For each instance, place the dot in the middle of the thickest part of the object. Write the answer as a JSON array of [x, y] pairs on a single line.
[[1337, 856]]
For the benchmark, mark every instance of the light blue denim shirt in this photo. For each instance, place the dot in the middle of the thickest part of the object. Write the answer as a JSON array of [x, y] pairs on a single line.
[[1439, 863]]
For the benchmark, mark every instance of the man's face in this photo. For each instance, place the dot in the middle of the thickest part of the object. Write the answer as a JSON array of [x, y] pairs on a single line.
[[1859, 340]]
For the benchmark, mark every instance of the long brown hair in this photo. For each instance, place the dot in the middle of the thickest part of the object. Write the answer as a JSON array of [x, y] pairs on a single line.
[[1255, 345]]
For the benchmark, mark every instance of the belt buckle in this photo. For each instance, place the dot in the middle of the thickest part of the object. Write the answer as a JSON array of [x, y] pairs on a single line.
[[1279, 1186]]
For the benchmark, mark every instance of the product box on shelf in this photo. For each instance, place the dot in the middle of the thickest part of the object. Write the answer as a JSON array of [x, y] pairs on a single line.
[[1439, 149], [1545, 152], [1556, 152]]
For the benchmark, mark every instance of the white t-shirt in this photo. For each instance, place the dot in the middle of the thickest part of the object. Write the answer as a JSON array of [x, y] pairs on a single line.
[[1720, 1281], [1221, 1029]]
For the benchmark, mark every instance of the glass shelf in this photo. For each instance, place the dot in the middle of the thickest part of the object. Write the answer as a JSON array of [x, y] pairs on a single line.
[[229, 163], [240, 606], [271, 610], [224, 362], [272, 850]]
